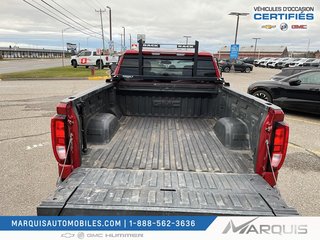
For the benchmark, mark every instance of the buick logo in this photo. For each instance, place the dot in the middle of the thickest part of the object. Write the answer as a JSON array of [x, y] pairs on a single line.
[[284, 27], [80, 235]]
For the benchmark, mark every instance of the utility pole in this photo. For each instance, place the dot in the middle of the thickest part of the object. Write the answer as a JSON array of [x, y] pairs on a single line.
[[187, 38], [101, 11], [130, 40], [255, 46]]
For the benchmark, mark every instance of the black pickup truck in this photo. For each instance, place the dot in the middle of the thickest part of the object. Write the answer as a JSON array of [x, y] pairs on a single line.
[[166, 136]]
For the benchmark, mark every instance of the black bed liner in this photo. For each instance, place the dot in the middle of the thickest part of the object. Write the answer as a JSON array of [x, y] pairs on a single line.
[[160, 143], [165, 166], [98, 191]]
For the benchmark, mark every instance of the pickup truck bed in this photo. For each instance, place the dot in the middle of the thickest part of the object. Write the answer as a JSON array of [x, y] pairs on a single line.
[[142, 171], [167, 137], [181, 144]]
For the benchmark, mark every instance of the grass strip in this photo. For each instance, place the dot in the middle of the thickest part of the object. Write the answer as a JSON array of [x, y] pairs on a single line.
[[56, 72]]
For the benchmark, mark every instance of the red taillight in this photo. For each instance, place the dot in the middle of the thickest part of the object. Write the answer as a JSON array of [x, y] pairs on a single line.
[[280, 144], [58, 136]]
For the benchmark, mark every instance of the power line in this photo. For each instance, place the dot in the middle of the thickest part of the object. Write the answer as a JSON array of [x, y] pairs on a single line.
[[98, 4], [89, 5], [88, 29], [49, 10], [72, 14], [66, 23]]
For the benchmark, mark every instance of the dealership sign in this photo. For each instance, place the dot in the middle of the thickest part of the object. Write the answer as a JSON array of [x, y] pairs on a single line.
[[283, 13], [284, 17], [234, 51], [71, 46]]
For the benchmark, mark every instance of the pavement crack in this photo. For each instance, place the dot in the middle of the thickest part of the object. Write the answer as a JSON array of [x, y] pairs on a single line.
[[26, 136], [305, 149], [9, 119]]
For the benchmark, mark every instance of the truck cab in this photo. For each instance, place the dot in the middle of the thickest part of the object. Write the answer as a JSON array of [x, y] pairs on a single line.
[[93, 58]]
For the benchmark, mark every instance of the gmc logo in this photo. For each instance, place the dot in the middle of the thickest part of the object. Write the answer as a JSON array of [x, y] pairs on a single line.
[[299, 26], [166, 103]]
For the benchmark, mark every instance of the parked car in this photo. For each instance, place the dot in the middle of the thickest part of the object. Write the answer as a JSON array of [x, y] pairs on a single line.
[[308, 62], [257, 62], [275, 63], [284, 63], [238, 66], [222, 61], [299, 92], [286, 72], [249, 60], [266, 62], [313, 63], [298, 63], [92, 58]]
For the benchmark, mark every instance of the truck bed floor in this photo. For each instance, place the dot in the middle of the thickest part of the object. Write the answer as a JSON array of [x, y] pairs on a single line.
[[155, 143]]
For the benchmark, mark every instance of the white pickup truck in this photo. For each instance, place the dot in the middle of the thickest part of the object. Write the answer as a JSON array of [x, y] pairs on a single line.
[[92, 58]]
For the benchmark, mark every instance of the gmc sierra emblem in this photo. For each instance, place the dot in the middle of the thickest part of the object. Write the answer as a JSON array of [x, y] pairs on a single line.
[[166, 103]]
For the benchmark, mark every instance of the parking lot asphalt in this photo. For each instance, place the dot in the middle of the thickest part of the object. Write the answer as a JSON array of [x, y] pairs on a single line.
[[19, 65], [28, 169]]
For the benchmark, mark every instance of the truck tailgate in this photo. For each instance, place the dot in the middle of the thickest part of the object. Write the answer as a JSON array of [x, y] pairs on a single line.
[[94, 191]]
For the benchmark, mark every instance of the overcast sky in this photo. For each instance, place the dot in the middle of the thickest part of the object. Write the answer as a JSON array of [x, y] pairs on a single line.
[[163, 21]]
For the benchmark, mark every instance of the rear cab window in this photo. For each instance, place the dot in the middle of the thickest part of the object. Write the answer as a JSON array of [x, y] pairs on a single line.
[[168, 66]]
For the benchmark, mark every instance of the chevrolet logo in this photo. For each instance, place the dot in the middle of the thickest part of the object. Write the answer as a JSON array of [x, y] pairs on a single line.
[[268, 26]]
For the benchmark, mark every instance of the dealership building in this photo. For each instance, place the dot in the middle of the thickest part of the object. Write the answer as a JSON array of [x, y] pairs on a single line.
[[16, 52]]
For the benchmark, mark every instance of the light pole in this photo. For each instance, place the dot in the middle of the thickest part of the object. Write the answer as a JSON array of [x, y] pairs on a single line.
[[130, 40], [121, 42], [110, 27], [187, 38], [255, 46], [238, 14], [63, 56], [124, 38]]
